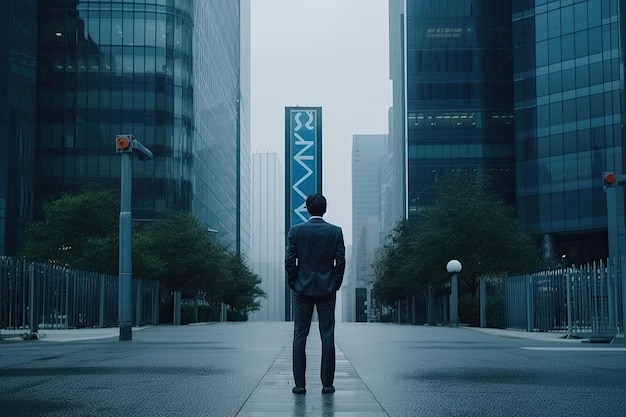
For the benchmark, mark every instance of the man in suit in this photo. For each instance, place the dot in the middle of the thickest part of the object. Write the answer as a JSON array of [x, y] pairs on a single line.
[[315, 263]]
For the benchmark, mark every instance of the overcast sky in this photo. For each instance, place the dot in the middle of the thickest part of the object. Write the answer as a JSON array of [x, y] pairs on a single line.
[[327, 53]]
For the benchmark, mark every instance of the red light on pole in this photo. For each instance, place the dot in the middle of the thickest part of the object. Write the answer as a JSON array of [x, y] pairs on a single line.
[[123, 143], [610, 178]]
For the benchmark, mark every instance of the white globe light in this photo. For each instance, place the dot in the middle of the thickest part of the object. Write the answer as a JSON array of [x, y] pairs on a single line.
[[454, 266]]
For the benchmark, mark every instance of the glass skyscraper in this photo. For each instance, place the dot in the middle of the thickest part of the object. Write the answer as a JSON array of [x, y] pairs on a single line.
[[166, 71], [108, 68], [394, 192], [18, 69], [221, 145], [268, 245], [369, 159], [569, 95], [530, 91], [459, 94]]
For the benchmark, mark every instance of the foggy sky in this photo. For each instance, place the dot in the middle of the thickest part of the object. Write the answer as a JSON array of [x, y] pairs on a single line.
[[327, 53]]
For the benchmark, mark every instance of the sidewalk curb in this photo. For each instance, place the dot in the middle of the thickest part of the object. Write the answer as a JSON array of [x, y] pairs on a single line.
[[537, 336], [65, 335]]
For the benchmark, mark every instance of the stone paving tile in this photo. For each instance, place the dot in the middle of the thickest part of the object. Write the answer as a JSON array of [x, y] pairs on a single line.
[[273, 396]]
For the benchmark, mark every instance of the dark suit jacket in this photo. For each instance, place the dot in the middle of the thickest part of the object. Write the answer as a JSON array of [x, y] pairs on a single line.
[[316, 257]]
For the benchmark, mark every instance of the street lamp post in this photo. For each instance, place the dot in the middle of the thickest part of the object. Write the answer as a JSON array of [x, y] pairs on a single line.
[[613, 189], [454, 267], [126, 145]]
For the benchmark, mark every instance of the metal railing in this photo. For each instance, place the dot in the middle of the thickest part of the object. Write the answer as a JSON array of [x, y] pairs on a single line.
[[585, 300], [48, 296]]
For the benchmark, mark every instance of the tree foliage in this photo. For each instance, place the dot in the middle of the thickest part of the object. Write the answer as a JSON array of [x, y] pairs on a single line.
[[186, 255], [81, 231], [393, 265], [243, 292], [466, 223], [77, 230]]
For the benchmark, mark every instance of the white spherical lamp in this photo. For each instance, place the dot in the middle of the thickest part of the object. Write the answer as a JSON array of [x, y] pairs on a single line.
[[454, 266]]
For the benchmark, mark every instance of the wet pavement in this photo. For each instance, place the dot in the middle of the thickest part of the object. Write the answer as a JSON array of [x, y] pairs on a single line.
[[273, 397], [244, 369]]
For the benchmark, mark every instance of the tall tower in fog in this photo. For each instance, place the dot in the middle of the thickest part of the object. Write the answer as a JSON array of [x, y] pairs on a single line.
[[268, 235]]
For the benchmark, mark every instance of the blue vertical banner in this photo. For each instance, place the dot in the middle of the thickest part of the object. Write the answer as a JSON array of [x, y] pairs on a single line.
[[303, 169], [304, 160]]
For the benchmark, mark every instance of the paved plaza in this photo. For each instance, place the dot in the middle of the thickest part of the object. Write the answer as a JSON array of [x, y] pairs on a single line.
[[244, 370]]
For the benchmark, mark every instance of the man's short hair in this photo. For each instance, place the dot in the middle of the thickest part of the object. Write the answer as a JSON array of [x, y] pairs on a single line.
[[316, 204]]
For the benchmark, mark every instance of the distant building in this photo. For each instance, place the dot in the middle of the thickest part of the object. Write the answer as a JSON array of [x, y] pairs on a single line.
[[368, 176], [347, 292], [268, 235], [394, 193]]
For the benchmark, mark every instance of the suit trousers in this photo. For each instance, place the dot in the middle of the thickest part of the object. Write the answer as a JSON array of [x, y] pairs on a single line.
[[303, 312]]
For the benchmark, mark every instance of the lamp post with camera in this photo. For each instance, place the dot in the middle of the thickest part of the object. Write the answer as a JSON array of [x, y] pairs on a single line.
[[126, 145]]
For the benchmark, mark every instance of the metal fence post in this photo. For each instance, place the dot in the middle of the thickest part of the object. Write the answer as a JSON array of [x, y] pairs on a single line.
[[102, 300], [430, 307], [623, 291], [67, 298], [32, 300], [139, 303], [568, 292], [177, 307], [530, 325], [483, 302], [156, 299], [2, 296]]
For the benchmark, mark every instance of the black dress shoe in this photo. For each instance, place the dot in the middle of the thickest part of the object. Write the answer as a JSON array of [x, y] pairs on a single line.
[[328, 390], [298, 390]]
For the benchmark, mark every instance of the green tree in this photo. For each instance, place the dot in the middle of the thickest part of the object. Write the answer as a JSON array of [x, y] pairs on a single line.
[[466, 223], [77, 230], [183, 255], [470, 224], [393, 266], [189, 258], [81, 231], [241, 290]]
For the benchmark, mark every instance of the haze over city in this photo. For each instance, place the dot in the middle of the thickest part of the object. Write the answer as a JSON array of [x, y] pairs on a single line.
[[331, 54], [164, 252]]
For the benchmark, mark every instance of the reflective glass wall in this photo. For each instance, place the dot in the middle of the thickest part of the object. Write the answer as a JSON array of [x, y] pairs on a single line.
[[394, 195], [166, 71], [108, 68], [569, 81], [459, 94], [218, 125], [18, 58], [245, 145]]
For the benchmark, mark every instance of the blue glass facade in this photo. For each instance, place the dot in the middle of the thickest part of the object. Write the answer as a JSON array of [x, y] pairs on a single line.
[[18, 58], [222, 167], [245, 145], [108, 68], [394, 198], [459, 94], [166, 71], [569, 82]]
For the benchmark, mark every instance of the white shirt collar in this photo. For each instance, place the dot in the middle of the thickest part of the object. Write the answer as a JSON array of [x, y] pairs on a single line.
[[315, 217]]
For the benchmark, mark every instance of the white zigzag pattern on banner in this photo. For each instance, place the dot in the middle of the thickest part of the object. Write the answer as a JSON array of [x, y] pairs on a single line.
[[300, 211]]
